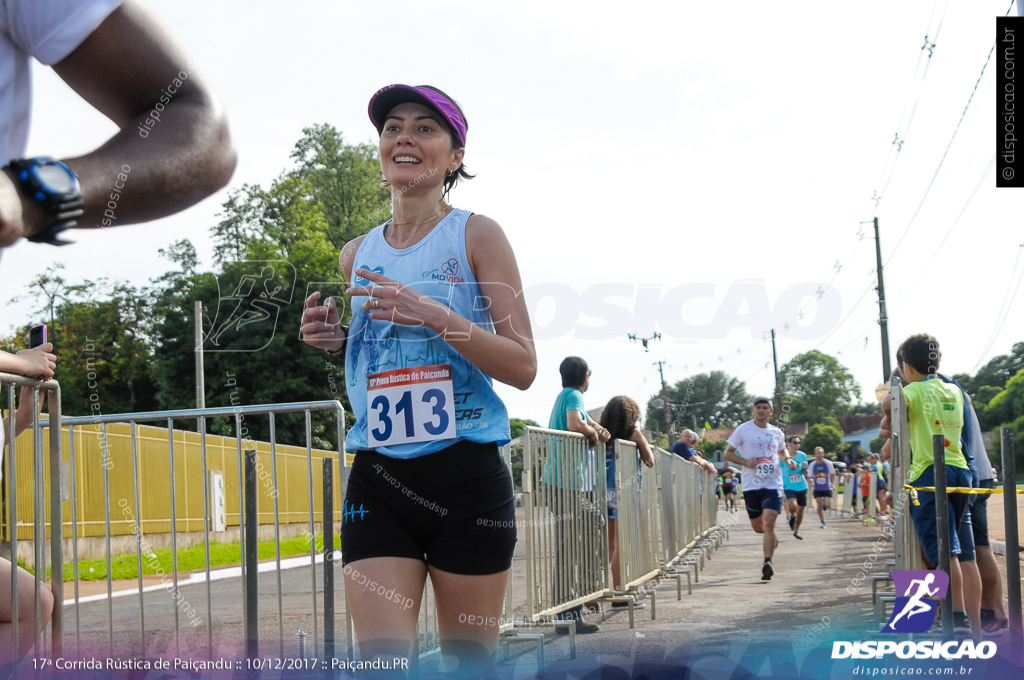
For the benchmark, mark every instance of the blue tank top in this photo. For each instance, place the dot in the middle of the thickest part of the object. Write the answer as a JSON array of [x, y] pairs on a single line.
[[436, 266]]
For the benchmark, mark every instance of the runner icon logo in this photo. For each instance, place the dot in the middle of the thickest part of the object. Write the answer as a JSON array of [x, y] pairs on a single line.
[[913, 613]]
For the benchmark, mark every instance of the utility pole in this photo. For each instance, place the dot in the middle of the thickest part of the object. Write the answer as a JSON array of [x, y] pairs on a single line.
[[778, 389], [200, 377], [664, 398], [883, 319]]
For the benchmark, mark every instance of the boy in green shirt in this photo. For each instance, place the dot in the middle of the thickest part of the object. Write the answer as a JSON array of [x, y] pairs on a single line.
[[935, 407]]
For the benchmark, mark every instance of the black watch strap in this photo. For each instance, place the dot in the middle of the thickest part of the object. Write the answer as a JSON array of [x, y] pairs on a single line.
[[62, 209], [341, 350]]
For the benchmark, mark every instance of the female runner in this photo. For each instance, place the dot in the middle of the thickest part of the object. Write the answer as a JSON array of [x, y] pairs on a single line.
[[442, 314]]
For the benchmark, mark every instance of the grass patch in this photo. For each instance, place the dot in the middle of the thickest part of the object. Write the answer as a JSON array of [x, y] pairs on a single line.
[[189, 559]]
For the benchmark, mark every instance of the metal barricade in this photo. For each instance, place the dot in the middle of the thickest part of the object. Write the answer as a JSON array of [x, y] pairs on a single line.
[[671, 506], [849, 494], [871, 509], [905, 541], [685, 513], [172, 470], [637, 517], [564, 492], [35, 507], [709, 498]]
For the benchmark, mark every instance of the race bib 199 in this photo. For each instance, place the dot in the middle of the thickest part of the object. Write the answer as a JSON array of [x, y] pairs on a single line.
[[765, 466], [410, 405]]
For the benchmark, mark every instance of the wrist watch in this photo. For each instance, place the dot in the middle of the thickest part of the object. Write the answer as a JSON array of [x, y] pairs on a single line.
[[54, 187]]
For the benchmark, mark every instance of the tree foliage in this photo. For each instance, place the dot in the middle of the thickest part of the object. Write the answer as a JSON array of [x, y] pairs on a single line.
[[996, 373], [816, 386], [125, 349], [826, 436], [714, 398]]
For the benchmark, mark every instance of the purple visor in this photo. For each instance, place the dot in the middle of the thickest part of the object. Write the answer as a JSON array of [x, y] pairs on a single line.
[[391, 96]]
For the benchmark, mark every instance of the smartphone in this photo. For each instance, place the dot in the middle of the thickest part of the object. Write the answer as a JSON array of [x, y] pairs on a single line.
[[37, 336]]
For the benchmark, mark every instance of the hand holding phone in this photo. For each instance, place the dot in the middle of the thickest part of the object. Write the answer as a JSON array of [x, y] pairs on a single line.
[[37, 336], [38, 361]]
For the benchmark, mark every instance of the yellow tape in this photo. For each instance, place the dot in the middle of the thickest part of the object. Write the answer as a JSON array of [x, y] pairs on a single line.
[[958, 489]]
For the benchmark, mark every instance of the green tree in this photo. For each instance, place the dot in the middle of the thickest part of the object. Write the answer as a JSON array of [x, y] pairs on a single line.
[[286, 239], [816, 386], [710, 448], [1008, 405], [517, 426], [877, 443], [996, 373], [826, 436], [100, 332], [714, 398], [338, 183]]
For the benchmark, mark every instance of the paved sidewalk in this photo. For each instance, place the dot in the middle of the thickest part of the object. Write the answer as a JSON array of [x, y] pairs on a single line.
[[813, 598]]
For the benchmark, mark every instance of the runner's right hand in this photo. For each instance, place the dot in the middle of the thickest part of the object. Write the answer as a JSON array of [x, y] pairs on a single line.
[[321, 324], [38, 361]]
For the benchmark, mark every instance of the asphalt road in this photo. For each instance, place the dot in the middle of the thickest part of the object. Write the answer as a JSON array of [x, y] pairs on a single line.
[[820, 592]]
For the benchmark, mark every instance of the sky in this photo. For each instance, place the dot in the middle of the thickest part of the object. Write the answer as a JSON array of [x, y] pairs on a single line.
[[706, 171]]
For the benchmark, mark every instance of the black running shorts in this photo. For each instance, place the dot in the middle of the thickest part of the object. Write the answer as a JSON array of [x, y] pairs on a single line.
[[759, 500], [979, 515], [452, 509], [800, 496]]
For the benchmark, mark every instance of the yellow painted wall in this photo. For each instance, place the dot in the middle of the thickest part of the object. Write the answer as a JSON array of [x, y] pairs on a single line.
[[154, 477]]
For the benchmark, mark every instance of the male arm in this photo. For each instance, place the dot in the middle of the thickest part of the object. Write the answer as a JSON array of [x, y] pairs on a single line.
[[128, 68], [576, 423], [602, 433], [708, 466]]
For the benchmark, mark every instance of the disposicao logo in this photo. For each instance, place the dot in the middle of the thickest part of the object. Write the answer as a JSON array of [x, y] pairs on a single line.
[[913, 613]]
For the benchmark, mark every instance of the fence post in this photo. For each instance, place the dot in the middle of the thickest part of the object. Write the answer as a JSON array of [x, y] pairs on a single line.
[[942, 525], [1010, 517], [328, 520], [252, 618]]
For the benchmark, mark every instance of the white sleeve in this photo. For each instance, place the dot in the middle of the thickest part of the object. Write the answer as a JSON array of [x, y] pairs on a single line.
[[52, 29]]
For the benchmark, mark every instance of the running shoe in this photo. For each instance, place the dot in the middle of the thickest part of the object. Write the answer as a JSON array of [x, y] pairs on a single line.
[[961, 623], [792, 520], [767, 571], [797, 536], [992, 626], [625, 605], [822, 525]]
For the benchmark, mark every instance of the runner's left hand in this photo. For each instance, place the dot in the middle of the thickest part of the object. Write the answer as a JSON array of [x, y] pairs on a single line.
[[390, 300]]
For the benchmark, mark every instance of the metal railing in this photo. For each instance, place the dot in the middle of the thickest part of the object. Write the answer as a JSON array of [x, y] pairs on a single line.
[[564, 491], [905, 541], [686, 515], [148, 616], [39, 515], [637, 498]]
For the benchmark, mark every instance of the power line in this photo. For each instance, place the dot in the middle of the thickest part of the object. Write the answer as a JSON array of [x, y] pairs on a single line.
[[946, 152], [1004, 308], [897, 143], [956, 221]]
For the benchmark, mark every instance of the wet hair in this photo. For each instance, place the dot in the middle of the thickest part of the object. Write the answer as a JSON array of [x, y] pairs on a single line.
[[620, 417], [574, 371], [453, 179], [920, 351]]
